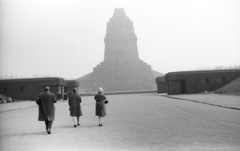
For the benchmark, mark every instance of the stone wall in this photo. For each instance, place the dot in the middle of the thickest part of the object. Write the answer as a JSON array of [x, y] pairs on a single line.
[[29, 89], [199, 81]]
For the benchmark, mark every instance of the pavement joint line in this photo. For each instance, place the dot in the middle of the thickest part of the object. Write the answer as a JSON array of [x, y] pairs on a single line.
[[19, 108], [233, 108], [25, 107]]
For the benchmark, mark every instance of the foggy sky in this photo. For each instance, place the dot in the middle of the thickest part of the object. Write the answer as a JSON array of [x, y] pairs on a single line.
[[65, 38]]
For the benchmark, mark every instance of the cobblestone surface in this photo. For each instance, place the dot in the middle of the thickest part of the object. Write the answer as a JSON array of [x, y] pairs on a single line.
[[134, 122]]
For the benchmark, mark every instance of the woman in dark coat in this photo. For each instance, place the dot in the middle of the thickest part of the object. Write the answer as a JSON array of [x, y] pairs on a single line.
[[75, 107], [101, 100]]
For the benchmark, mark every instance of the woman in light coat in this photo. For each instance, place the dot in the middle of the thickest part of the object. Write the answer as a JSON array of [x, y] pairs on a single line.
[[101, 100], [75, 107]]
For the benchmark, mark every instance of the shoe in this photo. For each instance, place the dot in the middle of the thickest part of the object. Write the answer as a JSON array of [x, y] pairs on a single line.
[[75, 125], [78, 124], [100, 124], [48, 131]]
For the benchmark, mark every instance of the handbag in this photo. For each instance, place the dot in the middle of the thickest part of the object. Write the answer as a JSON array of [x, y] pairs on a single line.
[[106, 102]]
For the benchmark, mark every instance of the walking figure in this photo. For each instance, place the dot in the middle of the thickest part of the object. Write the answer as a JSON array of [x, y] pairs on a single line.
[[75, 107], [101, 100], [45, 102]]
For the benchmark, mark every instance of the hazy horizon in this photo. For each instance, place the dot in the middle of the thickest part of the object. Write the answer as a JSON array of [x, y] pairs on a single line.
[[65, 38]]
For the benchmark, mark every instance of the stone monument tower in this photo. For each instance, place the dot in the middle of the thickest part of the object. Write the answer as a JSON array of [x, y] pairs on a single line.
[[121, 69]]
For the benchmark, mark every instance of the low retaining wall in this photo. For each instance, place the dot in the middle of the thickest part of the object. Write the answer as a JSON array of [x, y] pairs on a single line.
[[121, 92]]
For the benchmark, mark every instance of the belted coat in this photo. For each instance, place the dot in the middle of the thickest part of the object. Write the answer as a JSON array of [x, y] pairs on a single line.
[[45, 102], [74, 104], [100, 104]]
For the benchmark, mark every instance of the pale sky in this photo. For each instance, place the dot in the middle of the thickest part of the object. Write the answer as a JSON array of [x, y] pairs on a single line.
[[65, 38]]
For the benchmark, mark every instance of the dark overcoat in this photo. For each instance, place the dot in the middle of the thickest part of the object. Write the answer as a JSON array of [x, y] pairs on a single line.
[[45, 102], [74, 104], [100, 104]]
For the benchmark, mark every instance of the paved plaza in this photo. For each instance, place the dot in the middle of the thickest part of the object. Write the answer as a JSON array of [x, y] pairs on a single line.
[[133, 122]]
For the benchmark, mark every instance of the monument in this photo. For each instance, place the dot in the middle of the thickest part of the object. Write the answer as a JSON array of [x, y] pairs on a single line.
[[121, 69]]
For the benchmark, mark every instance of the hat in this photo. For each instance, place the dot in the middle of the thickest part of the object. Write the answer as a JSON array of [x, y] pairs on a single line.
[[100, 89], [75, 89], [46, 87]]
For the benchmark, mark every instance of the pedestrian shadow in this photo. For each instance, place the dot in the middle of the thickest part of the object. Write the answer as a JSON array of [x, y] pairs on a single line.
[[64, 126], [81, 126], [89, 126]]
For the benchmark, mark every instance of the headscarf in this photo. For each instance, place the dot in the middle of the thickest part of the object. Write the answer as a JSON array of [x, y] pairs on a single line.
[[100, 89]]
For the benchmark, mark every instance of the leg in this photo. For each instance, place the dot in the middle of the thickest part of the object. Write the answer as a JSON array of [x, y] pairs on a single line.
[[46, 124], [49, 126], [78, 121], [100, 122], [74, 121]]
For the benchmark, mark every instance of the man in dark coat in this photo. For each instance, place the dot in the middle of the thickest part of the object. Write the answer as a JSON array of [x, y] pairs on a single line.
[[75, 107], [45, 102], [101, 100]]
